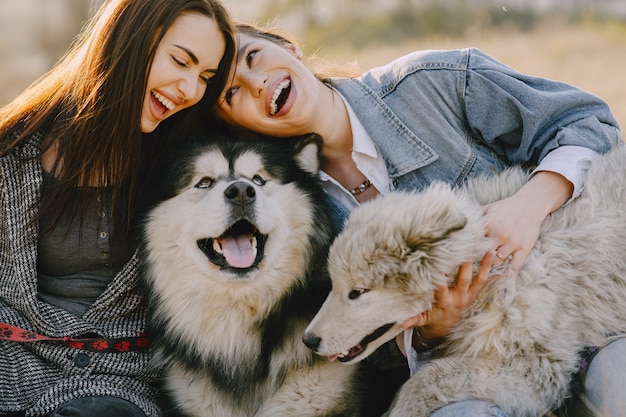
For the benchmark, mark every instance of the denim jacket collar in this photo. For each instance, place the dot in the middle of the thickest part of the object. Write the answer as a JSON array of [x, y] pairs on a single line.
[[406, 152]]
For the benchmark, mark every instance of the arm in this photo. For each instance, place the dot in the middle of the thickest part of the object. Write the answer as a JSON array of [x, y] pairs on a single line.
[[532, 121], [523, 118]]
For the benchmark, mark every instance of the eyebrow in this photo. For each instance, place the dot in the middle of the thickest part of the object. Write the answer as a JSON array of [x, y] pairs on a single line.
[[194, 58]]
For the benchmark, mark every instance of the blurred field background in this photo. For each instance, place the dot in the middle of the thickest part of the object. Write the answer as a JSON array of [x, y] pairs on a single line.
[[581, 42]]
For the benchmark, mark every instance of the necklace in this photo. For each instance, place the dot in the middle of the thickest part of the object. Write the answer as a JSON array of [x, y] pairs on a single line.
[[361, 187]]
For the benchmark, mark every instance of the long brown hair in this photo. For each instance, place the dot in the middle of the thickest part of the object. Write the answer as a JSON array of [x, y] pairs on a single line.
[[89, 104]]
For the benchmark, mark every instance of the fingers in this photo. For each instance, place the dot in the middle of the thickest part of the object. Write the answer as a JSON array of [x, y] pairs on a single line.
[[502, 256], [464, 277], [416, 321], [482, 275]]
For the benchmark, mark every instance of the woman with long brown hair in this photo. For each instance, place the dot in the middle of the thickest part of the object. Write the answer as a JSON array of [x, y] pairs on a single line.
[[76, 150]]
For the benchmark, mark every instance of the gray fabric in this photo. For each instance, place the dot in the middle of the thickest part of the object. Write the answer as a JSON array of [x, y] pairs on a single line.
[[38, 377], [81, 256]]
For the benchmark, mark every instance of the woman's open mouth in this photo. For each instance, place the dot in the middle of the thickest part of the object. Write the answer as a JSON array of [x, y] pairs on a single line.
[[279, 98]]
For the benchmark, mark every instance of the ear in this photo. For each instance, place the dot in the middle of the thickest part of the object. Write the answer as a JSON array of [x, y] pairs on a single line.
[[294, 49], [437, 252], [307, 153]]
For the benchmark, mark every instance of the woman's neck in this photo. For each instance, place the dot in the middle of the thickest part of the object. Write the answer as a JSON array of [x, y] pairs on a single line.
[[337, 130], [337, 150]]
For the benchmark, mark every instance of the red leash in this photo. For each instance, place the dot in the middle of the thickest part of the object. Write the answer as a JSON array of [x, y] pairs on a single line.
[[127, 344]]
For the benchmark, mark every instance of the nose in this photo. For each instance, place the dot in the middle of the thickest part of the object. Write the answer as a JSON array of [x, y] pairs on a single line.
[[256, 81], [188, 88], [240, 193], [312, 341]]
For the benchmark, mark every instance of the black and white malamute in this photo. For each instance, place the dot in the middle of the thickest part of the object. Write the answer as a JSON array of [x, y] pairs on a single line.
[[235, 257]]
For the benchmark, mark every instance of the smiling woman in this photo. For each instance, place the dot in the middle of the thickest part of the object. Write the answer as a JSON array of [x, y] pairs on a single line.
[[428, 116], [76, 150], [182, 67]]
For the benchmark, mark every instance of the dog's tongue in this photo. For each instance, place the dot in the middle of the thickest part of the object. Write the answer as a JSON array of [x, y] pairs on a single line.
[[238, 250]]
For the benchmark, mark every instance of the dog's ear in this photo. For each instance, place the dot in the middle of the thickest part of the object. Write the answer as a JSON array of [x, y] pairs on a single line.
[[439, 249], [308, 150]]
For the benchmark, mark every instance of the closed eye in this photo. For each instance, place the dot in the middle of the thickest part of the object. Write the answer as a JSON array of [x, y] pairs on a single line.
[[179, 62]]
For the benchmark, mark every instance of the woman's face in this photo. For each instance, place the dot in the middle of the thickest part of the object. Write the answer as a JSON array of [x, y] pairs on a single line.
[[271, 90], [187, 57]]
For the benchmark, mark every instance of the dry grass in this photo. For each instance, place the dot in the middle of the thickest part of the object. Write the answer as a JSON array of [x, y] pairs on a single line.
[[591, 56]]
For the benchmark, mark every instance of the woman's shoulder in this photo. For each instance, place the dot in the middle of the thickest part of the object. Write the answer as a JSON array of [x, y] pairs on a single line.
[[423, 63], [426, 59]]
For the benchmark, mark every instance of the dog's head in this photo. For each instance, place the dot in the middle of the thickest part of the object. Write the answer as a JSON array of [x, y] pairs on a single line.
[[385, 265], [234, 205]]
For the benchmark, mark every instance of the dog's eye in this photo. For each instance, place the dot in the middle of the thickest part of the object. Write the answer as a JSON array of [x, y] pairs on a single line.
[[258, 180], [205, 182], [356, 293]]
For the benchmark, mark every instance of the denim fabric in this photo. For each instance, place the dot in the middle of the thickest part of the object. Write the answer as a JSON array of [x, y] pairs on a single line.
[[470, 408], [450, 115], [98, 407], [604, 382]]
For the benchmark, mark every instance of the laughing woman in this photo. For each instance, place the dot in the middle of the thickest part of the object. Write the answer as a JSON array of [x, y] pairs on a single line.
[[435, 115], [73, 159]]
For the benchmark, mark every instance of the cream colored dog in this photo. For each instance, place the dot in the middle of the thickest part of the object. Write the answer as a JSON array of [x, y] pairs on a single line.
[[519, 344]]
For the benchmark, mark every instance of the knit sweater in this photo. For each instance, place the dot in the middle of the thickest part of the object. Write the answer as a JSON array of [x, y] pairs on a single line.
[[37, 377]]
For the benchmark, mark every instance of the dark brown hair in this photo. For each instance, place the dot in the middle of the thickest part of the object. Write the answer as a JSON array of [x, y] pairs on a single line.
[[89, 104]]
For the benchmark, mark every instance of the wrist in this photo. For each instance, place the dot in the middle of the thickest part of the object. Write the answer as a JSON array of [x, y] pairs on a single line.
[[549, 190], [423, 343]]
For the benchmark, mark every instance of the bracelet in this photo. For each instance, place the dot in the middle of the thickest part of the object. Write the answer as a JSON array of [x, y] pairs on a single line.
[[419, 340], [442, 344]]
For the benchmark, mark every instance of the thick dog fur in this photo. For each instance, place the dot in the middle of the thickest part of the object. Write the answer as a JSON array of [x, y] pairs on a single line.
[[228, 330], [519, 344]]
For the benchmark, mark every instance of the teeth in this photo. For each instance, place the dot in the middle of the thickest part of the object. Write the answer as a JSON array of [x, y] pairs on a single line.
[[167, 103], [217, 247], [279, 89]]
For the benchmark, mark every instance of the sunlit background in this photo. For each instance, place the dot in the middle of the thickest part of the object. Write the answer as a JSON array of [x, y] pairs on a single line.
[[582, 42]]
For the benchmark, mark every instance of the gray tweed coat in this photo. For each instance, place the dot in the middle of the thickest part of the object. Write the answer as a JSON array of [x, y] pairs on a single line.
[[37, 377]]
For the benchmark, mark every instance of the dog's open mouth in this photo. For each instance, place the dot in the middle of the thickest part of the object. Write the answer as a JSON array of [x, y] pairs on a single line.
[[240, 247], [355, 351]]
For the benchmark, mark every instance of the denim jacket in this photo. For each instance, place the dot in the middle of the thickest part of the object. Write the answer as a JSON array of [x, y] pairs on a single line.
[[450, 115]]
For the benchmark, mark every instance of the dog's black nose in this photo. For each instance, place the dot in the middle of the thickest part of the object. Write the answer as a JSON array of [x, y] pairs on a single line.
[[311, 341], [240, 192]]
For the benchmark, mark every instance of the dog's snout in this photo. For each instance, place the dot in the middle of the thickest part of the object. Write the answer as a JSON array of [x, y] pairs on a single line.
[[312, 341], [240, 192]]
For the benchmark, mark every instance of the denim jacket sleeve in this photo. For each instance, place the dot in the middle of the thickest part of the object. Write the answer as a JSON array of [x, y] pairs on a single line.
[[451, 115], [525, 117]]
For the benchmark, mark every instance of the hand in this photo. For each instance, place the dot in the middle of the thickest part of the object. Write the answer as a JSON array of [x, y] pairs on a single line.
[[451, 302], [514, 223]]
